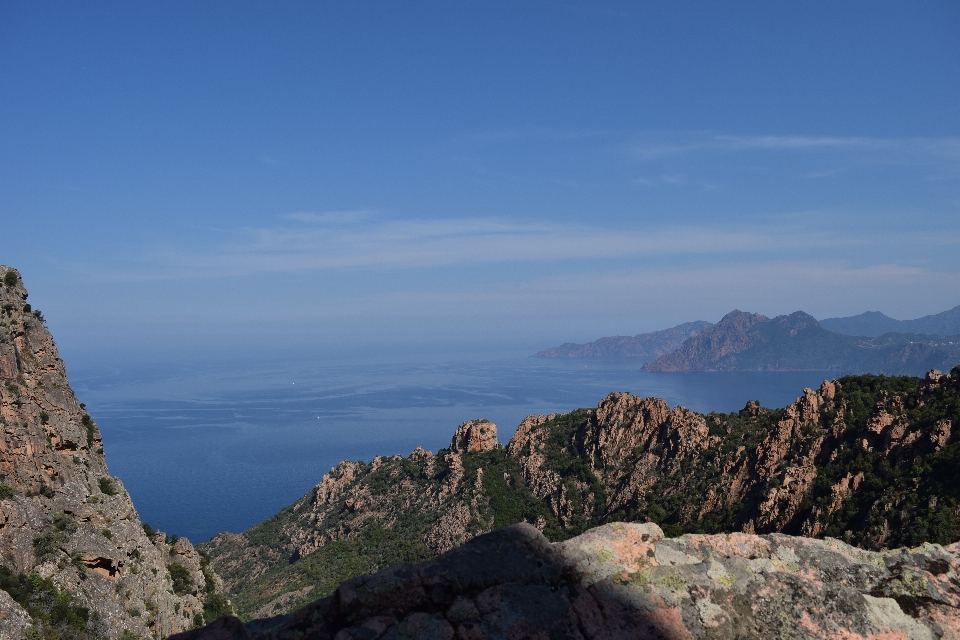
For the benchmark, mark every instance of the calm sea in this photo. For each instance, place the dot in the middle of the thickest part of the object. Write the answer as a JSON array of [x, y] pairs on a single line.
[[210, 448]]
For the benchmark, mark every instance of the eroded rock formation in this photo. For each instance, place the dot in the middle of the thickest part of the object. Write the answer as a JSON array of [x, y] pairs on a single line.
[[476, 435]]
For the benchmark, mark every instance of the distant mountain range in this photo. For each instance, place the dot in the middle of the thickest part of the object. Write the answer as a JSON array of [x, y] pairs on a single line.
[[752, 342], [874, 324]]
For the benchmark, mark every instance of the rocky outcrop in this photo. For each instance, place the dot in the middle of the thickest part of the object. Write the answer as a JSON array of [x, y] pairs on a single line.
[[643, 345], [626, 581], [63, 516], [473, 436]]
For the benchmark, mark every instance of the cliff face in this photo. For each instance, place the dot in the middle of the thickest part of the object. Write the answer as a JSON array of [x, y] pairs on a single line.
[[868, 459], [643, 345], [66, 526], [751, 342], [627, 581]]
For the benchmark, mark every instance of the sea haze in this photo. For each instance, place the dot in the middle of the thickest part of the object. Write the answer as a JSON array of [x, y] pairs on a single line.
[[207, 448]]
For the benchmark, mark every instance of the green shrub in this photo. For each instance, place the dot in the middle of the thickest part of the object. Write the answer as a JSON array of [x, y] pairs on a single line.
[[182, 581], [88, 423], [216, 605], [76, 559], [55, 613], [27, 308], [147, 529], [209, 585], [6, 491], [53, 536], [44, 417], [108, 486], [10, 278]]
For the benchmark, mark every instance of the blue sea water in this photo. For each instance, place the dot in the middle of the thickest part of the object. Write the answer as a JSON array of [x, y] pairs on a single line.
[[205, 448]]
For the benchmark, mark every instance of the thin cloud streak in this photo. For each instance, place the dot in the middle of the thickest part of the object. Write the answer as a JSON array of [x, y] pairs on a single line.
[[329, 242], [331, 217], [904, 148]]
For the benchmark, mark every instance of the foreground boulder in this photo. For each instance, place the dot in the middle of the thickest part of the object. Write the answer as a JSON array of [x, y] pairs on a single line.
[[626, 581]]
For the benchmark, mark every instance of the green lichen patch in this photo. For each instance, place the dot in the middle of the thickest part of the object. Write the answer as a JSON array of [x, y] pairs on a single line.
[[671, 581]]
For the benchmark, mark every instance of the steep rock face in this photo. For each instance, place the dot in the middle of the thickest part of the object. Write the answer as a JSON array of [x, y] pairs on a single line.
[[626, 581], [869, 459], [62, 516]]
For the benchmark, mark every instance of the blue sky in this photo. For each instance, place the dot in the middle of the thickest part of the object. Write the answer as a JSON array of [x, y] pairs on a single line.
[[288, 175]]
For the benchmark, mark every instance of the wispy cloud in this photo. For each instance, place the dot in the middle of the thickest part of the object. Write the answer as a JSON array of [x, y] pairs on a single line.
[[671, 179], [330, 217], [365, 239], [657, 146]]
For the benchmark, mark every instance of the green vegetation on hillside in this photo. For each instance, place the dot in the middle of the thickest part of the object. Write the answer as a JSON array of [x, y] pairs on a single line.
[[55, 614], [891, 441]]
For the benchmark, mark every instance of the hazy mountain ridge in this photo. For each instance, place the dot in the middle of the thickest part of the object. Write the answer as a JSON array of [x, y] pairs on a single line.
[[752, 342], [77, 562], [874, 324], [643, 345], [869, 459], [882, 344]]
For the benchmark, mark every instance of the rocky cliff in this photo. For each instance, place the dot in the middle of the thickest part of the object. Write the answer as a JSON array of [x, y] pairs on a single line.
[[871, 460], [627, 581], [644, 345], [77, 562], [752, 342]]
